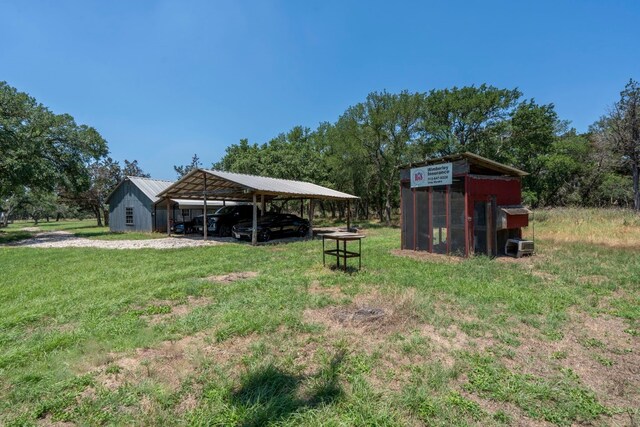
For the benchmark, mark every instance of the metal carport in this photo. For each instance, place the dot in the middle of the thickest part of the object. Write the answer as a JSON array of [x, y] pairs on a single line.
[[205, 184]]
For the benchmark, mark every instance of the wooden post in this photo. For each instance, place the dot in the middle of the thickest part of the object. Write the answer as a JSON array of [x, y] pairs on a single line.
[[467, 217], [311, 208], [489, 218], [431, 228], [205, 222], [447, 202], [168, 216], [254, 230], [348, 215], [262, 205]]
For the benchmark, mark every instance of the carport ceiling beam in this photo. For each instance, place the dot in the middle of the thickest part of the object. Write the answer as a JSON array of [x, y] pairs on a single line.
[[220, 192]]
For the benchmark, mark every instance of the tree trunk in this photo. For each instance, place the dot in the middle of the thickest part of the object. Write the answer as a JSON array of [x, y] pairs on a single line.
[[96, 211], [380, 211], [636, 187], [387, 205], [105, 214]]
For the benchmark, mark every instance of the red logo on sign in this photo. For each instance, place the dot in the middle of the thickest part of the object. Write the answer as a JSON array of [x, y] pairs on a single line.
[[418, 176]]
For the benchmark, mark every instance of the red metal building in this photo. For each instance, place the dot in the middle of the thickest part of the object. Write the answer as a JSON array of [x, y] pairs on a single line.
[[461, 204]]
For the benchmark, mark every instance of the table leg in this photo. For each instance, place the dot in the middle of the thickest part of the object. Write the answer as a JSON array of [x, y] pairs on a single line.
[[359, 254], [344, 247], [323, 254], [337, 254]]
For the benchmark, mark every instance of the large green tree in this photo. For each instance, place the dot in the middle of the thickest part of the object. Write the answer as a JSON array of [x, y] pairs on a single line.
[[385, 128], [41, 150], [621, 127], [470, 118]]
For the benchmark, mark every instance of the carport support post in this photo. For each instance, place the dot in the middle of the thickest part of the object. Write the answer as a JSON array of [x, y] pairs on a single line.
[[205, 222], [311, 208], [348, 215], [262, 205], [254, 229], [168, 216]]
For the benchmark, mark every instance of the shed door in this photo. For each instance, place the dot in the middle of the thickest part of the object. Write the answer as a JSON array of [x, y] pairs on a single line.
[[480, 227], [484, 230]]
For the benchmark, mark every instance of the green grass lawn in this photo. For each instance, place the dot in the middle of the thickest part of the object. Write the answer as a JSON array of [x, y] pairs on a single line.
[[173, 337]]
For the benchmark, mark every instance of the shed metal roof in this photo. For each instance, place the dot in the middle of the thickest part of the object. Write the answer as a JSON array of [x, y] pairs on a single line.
[[515, 210], [150, 187], [473, 158], [237, 186]]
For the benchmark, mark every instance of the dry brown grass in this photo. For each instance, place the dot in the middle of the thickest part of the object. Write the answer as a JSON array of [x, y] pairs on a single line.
[[587, 342], [171, 362], [232, 277], [611, 228], [178, 308], [427, 256]]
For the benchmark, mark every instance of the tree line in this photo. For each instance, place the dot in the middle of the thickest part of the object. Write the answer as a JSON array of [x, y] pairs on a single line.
[[50, 166], [361, 151]]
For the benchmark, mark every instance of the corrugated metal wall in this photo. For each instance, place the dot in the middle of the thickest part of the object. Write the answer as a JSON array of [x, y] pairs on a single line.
[[128, 195]]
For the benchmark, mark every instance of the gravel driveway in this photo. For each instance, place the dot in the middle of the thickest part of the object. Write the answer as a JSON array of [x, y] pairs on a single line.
[[64, 239]]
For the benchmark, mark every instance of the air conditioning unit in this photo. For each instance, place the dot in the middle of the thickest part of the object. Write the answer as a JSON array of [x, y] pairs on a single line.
[[517, 248]]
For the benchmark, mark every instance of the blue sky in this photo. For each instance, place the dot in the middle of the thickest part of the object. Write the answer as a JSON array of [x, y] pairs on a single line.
[[161, 80]]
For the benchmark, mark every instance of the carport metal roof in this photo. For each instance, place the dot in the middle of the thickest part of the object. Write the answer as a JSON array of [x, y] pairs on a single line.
[[231, 186]]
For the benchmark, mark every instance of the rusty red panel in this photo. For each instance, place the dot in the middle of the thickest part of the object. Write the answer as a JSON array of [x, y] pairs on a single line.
[[506, 190], [517, 221]]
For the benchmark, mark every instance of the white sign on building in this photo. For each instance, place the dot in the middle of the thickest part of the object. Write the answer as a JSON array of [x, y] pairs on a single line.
[[429, 176]]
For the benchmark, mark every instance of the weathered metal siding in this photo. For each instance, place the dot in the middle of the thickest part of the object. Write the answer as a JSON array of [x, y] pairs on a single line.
[[128, 195], [160, 220]]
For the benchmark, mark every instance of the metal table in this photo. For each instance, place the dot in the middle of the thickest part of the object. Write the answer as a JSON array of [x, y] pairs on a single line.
[[342, 252]]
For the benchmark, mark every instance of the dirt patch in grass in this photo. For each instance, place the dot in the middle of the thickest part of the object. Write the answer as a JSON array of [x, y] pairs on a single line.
[[594, 279], [317, 289], [49, 422], [371, 313], [388, 328], [427, 256], [170, 362], [544, 275], [597, 349], [162, 310], [516, 414], [232, 277], [188, 403], [449, 339]]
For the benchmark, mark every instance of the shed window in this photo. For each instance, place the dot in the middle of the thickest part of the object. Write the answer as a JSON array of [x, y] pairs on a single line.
[[128, 214]]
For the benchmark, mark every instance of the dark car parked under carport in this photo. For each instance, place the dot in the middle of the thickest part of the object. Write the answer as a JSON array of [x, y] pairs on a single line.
[[221, 222], [273, 225]]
